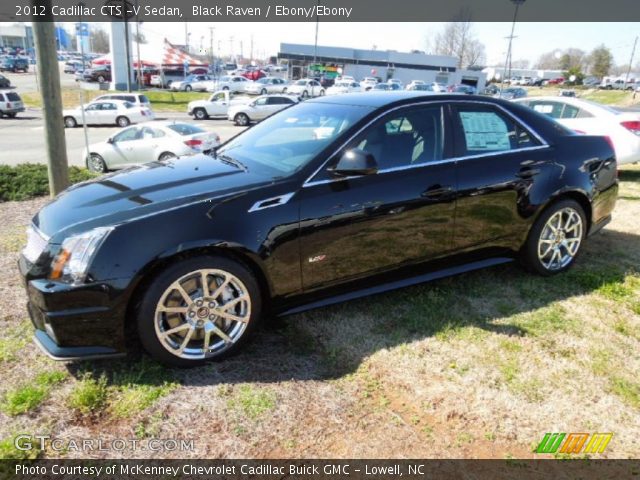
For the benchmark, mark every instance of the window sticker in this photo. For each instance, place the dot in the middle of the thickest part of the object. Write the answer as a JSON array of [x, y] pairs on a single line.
[[485, 131]]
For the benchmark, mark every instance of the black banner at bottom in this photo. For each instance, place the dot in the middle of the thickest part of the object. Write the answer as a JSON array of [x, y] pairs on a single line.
[[321, 469]]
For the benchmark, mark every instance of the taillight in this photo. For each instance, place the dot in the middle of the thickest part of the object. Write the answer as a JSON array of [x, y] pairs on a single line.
[[193, 143], [632, 125]]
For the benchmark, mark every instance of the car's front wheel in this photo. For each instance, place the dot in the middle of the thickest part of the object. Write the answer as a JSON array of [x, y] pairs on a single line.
[[263, 91], [70, 122], [200, 309], [241, 119], [188, 88], [556, 237], [200, 114], [101, 79], [96, 163]]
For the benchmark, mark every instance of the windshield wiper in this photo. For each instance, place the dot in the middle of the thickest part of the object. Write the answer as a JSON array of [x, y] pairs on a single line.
[[231, 161]]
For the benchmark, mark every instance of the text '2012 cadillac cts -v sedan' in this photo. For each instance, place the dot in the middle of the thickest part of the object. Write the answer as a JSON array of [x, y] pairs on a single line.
[[328, 200]]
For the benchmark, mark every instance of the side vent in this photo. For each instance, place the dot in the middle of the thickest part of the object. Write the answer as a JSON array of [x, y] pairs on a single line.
[[271, 202]]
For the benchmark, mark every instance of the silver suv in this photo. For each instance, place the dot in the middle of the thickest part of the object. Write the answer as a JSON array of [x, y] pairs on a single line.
[[10, 103]]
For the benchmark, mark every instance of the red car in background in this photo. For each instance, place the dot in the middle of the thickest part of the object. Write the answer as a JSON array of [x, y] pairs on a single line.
[[556, 81], [254, 74]]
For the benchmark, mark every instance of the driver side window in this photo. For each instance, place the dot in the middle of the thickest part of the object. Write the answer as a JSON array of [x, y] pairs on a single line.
[[127, 135], [412, 137]]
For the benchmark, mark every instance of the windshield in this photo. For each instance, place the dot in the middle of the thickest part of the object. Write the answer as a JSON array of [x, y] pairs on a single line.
[[301, 82], [342, 84], [262, 80], [290, 139]]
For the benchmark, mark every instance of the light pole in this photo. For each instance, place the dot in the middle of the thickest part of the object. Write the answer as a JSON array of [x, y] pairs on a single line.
[[507, 61]]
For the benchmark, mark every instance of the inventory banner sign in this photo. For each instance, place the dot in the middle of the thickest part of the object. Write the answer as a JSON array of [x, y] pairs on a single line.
[[312, 10]]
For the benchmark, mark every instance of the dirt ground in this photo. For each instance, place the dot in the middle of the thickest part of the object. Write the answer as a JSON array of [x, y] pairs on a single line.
[[477, 366]]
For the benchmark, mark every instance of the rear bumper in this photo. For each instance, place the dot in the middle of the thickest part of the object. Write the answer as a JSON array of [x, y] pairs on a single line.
[[13, 110]]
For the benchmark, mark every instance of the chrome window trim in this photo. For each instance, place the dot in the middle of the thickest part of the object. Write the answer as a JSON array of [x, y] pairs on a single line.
[[544, 144]]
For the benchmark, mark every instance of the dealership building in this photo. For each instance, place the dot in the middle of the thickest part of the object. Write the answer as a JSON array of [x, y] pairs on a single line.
[[386, 64]]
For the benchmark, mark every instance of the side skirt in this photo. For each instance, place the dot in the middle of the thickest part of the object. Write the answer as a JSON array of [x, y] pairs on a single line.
[[427, 277]]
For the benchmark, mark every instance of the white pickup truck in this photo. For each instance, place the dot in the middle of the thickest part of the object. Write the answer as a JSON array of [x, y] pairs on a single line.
[[215, 106]]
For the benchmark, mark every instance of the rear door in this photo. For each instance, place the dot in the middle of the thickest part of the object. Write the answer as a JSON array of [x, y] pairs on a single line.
[[403, 214], [499, 158]]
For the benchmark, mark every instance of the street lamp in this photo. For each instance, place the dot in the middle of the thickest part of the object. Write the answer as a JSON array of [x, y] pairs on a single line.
[[507, 61]]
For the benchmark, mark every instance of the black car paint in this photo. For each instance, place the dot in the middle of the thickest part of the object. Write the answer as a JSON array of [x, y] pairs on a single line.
[[334, 239]]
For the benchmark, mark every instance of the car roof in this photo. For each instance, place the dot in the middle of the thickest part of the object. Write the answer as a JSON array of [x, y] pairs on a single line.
[[578, 102], [377, 99]]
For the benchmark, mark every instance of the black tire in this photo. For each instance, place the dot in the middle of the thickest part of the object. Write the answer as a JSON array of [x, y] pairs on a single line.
[[529, 252], [96, 163], [153, 294], [123, 121], [263, 91], [166, 156], [284, 90], [241, 119], [101, 79], [12, 115], [322, 93], [188, 88], [200, 114], [225, 88], [305, 94], [70, 122]]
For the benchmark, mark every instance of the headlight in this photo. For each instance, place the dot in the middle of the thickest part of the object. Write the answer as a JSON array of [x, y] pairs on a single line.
[[74, 258]]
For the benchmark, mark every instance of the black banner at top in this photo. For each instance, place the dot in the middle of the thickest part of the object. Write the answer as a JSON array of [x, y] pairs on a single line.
[[319, 10]]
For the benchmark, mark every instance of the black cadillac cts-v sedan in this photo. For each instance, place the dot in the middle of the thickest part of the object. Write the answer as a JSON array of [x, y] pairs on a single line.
[[328, 200]]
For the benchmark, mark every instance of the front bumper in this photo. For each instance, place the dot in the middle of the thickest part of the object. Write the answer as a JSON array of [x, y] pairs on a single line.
[[76, 321]]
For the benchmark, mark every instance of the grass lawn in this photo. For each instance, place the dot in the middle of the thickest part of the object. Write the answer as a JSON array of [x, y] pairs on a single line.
[[160, 100], [480, 365]]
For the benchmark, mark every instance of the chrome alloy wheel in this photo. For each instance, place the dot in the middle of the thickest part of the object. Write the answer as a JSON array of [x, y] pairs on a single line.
[[202, 314], [560, 239]]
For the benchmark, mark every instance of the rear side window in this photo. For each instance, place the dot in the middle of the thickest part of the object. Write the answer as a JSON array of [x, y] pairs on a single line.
[[13, 97], [185, 129], [486, 130], [143, 99]]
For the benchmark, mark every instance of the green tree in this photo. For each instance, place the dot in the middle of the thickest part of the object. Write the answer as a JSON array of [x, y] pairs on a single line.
[[99, 40], [601, 61]]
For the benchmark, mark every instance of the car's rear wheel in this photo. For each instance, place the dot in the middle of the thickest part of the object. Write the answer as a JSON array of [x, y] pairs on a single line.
[[101, 79], [188, 88], [12, 115], [263, 91], [123, 121], [200, 309], [166, 156], [241, 119], [96, 163], [284, 90], [70, 122], [555, 239], [305, 94], [200, 114], [321, 93]]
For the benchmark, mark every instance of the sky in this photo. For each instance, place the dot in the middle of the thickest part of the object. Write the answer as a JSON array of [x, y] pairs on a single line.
[[533, 39]]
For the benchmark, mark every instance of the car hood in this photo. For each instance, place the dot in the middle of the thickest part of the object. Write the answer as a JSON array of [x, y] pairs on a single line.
[[140, 191]]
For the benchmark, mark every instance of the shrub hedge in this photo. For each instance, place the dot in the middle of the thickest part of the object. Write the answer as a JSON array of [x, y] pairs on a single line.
[[29, 180]]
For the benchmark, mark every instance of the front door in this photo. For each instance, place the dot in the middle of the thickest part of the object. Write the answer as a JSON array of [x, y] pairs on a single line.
[[401, 215]]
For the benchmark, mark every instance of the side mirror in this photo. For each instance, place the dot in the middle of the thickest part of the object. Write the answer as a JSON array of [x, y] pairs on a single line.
[[355, 162], [110, 140]]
